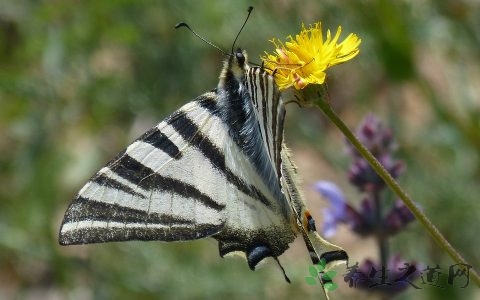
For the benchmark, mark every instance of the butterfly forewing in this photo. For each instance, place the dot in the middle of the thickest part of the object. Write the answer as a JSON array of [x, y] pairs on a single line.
[[156, 189]]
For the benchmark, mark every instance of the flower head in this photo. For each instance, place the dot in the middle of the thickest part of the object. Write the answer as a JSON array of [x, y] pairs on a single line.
[[304, 60]]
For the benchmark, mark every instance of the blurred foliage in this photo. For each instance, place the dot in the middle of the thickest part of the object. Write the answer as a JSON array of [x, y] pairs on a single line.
[[80, 79]]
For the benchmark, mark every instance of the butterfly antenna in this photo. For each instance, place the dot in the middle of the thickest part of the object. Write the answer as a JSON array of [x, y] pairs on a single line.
[[183, 24], [250, 8]]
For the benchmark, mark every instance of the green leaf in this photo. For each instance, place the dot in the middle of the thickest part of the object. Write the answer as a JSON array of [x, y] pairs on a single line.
[[329, 275], [313, 271], [330, 286], [311, 280], [321, 265]]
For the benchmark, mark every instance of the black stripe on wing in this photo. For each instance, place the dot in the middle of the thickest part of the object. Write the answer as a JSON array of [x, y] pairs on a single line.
[[192, 133], [104, 180], [160, 141], [83, 209], [278, 113], [87, 235], [208, 103], [141, 175]]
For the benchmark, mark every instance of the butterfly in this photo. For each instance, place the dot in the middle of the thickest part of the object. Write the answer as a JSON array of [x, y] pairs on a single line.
[[217, 167]]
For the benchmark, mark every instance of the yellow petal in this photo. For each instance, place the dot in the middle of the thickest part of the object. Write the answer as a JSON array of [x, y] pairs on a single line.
[[304, 59]]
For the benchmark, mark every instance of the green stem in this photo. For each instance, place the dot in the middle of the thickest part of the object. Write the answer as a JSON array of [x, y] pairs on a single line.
[[421, 217]]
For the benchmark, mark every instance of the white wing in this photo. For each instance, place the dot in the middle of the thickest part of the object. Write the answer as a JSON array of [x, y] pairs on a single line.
[[160, 188]]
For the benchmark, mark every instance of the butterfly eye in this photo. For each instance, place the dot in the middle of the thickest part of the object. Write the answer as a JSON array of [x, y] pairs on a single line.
[[240, 57]]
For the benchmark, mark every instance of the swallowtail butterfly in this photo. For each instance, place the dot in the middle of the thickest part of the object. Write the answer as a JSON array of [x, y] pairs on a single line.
[[217, 167]]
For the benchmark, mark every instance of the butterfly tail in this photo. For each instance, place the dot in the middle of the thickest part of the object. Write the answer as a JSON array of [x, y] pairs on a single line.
[[318, 248]]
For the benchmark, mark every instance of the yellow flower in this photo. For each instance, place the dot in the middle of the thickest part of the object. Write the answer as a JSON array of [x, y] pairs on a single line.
[[304, 60]]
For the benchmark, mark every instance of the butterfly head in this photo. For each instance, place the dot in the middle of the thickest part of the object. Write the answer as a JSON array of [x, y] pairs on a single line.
[[239, 58], [235, 66]]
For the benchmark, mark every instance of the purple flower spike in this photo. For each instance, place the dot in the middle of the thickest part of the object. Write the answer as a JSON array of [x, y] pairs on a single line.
[[370, 219]]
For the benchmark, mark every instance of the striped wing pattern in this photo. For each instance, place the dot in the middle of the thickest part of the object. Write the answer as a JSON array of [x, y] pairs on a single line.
[[270, 112], [156, 189]]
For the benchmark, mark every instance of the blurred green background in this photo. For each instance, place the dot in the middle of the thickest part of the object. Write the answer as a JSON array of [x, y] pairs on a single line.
[[79, 80]]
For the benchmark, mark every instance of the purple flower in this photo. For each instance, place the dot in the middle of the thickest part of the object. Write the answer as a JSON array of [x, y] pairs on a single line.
[[336, 212], [366, 179], [398, 218], [379, 141], [374, 136], [340, 211]]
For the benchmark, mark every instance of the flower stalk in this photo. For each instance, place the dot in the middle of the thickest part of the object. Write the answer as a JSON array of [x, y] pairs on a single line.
[[394, 186]]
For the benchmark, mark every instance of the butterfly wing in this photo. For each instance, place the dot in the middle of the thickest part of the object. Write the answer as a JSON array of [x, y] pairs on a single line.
[[160, 188]]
